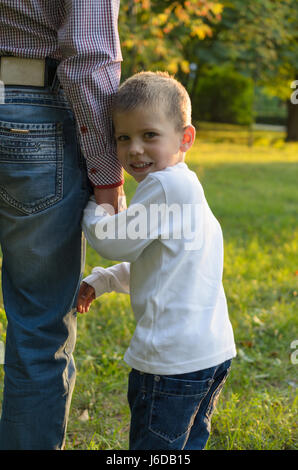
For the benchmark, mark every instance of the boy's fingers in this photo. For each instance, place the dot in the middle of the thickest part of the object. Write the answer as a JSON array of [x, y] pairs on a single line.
[[90, 292], [84, 287], [89, 296], [85, 297], [86, 291]]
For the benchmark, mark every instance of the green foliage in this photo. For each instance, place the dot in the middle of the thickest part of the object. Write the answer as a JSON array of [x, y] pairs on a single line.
[[269, 109], [155, 33], [260, 40], [254, 34], [223, 95]]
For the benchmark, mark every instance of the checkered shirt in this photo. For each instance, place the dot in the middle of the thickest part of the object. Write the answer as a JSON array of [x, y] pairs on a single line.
[[83, 36]]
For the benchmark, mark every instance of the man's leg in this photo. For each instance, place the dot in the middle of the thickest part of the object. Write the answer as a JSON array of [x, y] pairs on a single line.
[[44, 193]]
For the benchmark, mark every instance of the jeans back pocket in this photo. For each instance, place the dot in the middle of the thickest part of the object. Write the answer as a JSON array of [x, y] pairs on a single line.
[[174, 405], [31, 165]]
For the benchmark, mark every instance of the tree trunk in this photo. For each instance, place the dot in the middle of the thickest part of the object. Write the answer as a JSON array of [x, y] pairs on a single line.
[[292, 122]]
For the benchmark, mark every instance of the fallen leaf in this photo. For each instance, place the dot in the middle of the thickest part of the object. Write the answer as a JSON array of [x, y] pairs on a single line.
[[84, 416]]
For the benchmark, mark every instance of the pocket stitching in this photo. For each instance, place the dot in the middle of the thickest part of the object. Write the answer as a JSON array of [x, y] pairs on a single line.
[[46, 202]]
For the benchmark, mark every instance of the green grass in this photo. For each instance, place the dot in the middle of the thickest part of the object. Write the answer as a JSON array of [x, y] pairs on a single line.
[[254, 194]]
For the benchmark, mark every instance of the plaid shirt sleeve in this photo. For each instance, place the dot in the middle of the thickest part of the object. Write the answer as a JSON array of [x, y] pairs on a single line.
[[90, 73]]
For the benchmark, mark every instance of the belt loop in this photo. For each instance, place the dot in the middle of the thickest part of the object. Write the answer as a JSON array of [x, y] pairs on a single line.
[[51, 73], [55, 86]]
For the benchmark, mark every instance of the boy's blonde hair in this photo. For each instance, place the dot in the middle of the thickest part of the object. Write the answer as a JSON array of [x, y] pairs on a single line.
[[157, 89]]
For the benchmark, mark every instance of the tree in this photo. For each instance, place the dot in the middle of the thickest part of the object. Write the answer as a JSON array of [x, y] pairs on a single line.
[[286, 76], [223, 95], [260, 39], [154, 33]]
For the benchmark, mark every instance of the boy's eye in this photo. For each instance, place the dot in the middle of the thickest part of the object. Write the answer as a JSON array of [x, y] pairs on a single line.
[[122, 138], [150, 135]]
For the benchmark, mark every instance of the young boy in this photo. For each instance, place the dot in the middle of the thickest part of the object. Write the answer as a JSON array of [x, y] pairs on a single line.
[[172, 251]]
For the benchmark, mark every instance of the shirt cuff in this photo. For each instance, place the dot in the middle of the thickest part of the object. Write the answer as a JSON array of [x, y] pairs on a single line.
[[108, 186], [104, 172], [98, 280]]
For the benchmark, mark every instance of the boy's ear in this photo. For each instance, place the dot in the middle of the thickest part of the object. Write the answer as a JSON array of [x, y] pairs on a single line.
[[189, 135]]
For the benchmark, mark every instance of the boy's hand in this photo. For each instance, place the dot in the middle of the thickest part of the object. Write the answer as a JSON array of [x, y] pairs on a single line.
[[114, 197], [85, 297]]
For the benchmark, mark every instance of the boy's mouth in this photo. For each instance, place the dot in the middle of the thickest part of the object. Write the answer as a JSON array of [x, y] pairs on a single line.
[[140, 166]]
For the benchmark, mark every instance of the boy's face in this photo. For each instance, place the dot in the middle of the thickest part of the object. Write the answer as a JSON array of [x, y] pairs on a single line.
[[147, 141]]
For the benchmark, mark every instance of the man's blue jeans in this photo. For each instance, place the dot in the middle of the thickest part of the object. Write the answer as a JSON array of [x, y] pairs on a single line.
[[43, 191], [173, 412]]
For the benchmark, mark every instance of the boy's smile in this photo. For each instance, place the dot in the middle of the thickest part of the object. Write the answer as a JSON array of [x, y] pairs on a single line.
[[147, 141]]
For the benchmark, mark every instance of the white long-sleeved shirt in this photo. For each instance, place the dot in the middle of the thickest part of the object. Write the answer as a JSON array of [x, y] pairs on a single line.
[[172, 267]]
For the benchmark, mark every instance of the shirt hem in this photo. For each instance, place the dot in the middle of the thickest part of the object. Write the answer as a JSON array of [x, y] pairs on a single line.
[[183, 368]]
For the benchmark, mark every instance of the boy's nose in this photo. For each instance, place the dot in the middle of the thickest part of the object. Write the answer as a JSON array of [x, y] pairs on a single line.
[[136, 148]]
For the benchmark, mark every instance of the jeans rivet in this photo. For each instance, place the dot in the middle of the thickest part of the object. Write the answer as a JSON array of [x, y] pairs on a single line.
[[156, 378]]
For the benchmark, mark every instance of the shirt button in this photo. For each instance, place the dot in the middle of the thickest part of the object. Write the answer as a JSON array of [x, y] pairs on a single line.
[[156, 378], [84, 129], [93, 171]]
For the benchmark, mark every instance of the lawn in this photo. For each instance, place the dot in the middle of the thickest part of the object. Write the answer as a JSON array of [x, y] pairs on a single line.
[[253, 192]]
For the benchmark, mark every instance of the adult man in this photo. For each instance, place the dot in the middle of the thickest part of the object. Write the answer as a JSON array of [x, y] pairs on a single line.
[[60, 64]]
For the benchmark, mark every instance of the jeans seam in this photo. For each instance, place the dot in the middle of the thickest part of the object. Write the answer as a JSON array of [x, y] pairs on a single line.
[[193, 417], [36, 99], [211, 404], [47, 105]]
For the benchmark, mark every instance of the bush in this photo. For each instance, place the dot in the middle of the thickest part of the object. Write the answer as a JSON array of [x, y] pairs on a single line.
[[223, 95]]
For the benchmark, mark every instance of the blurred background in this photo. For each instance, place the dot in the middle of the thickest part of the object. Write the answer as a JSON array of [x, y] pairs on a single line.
[[237, 59]]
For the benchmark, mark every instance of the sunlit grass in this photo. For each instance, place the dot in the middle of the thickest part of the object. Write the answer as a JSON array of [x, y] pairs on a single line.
[[253, 192]]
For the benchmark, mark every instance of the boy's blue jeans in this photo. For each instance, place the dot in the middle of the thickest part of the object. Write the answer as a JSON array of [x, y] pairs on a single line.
[[173, 412], [43, 191]]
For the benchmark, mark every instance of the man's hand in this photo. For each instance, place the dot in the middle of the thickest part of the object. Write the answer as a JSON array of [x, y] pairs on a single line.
[[115, 197], [85, 297]]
